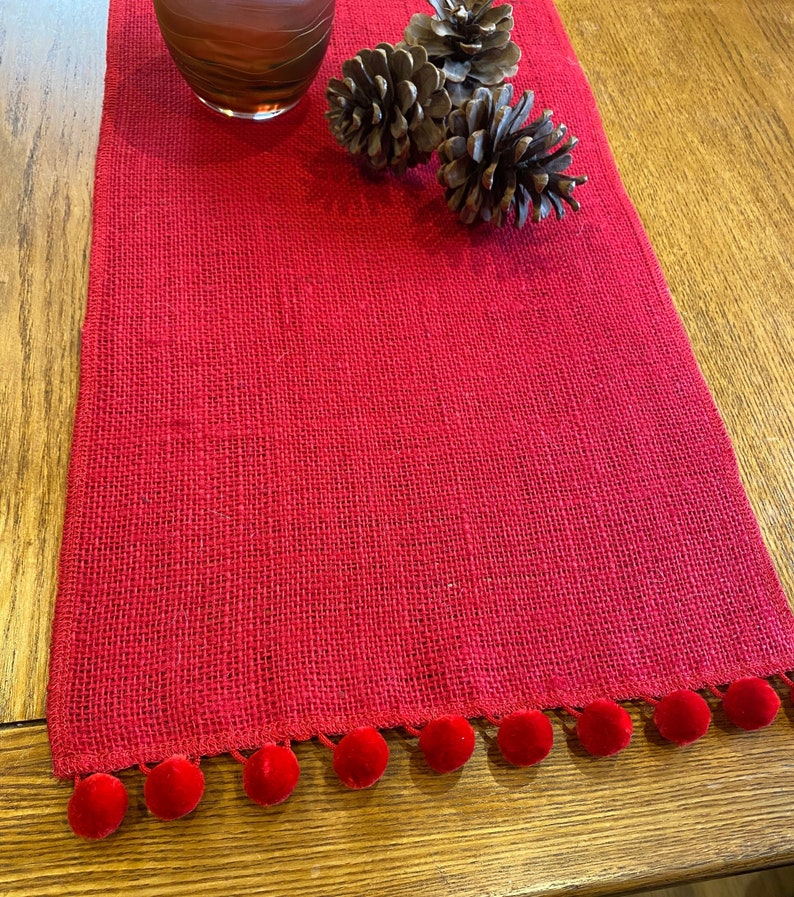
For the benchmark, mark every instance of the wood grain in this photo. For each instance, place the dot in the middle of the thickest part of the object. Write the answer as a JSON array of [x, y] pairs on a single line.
[[572, 824], [771, 883], [50, 84], [698, 105], [697, 102]]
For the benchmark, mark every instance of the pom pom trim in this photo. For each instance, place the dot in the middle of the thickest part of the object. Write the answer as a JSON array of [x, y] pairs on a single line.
[[270, 775], [525, 737], [361, 758], [173, 788], [97, 806], [447, 743], [682, 717], [751, 703], [604, 728]]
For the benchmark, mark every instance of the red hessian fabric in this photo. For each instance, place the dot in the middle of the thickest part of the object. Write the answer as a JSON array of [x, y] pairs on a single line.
[[340, 461]]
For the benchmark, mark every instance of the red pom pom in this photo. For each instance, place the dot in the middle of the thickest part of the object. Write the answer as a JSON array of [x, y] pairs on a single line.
[[361, 758], [447, 743], [173, 788], [751, 703], [270, 775], [682, 717], [525, 738], [97, 806], [604, 728]]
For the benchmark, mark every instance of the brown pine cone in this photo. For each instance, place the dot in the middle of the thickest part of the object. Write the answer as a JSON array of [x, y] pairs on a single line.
[[469, 40], [491, 165], [390, 105]]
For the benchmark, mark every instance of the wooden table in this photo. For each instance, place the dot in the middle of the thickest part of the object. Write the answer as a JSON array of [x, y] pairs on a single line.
[[697, 102]]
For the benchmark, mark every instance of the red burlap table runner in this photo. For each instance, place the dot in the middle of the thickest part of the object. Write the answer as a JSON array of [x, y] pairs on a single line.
[[340, 461]]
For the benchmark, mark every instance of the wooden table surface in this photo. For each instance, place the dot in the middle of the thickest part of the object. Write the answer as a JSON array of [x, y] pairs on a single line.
[[697, 102]]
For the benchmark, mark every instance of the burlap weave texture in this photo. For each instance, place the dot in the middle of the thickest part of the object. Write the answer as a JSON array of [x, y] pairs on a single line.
[[339, 460]]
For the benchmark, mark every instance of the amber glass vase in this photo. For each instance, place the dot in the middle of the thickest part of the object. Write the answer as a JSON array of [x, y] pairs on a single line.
[[247, 58]]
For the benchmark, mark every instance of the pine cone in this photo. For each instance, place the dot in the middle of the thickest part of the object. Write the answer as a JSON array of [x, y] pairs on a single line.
[[391, 105], [490, 164], [469, 40]]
